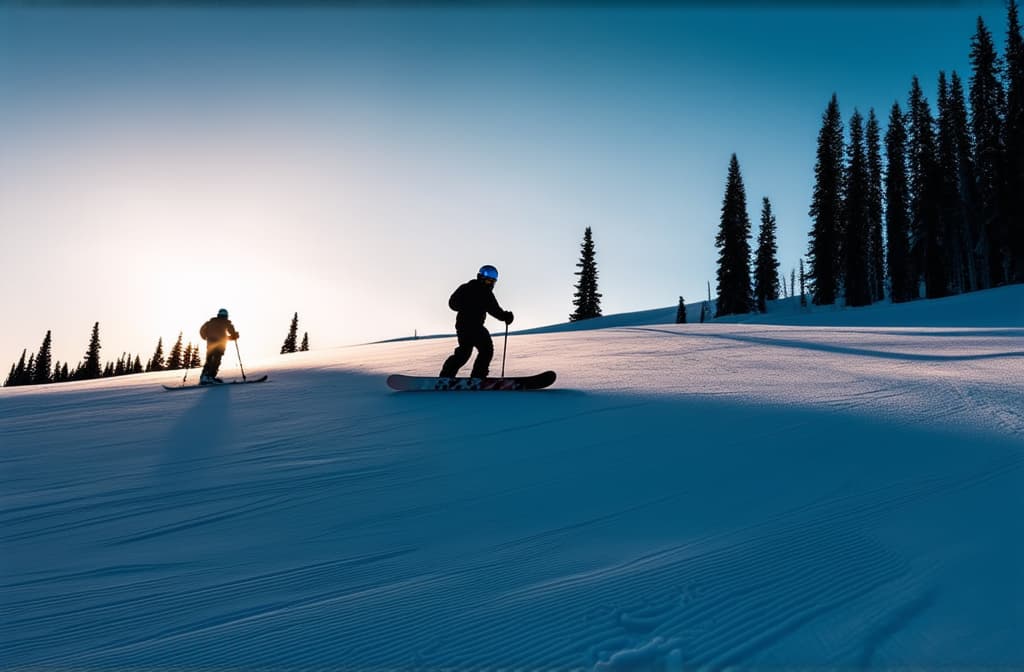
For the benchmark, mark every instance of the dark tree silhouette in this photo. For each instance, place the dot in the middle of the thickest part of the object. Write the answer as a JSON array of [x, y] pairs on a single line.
[[91, 366], [826, 209], [1014, 137], [897, 211], [156, 362], [305, 342], [175, 358], [733, 243], [681, 312], [586, 299], [928, 250], [855, 246], [290, 341], [43, 361], [766, 263], [876, 245]]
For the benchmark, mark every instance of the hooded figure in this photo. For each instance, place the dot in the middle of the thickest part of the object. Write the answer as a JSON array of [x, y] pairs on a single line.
[[473, 301]]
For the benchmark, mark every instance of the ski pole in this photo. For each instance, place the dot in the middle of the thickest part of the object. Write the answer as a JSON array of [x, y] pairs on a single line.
[[188, 363], [503, 351], [239, 351]]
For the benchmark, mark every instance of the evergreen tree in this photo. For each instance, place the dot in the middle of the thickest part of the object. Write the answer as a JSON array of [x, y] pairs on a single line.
[[17, 375], [305, 342], [43, 361], [64, 374], [987, 103], [766, 263], [733, 242], [951, 203], [292, 337], [137, 366], [55, 378], [681, 312], [966, 221], [803, 285], [108, 370], [1014, 138], [927, 241], [91, 366], [174, 357], [876, 245], [826, 209], [586, 299], [856, 253], [119, 367], [897, 211], [156, 363], [10, 377], [792, 279], [28, 376]]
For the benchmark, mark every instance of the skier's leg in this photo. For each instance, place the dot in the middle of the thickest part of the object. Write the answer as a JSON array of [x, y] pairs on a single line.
[[213, 357], [458, 358], [485, 352]]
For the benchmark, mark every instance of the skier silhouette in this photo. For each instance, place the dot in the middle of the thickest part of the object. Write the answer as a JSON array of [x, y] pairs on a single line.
[[217, 331], [473, 301]]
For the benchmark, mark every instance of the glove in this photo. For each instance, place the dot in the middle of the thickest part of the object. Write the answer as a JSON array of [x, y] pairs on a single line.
[[235, 338], [509, 317]]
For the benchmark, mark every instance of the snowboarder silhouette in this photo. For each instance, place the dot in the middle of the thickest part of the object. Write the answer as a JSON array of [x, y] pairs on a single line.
[[217, 331], [473, 301]]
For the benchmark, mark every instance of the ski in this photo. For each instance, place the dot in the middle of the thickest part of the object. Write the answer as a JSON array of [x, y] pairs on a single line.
[[171, 388], [435, 384]]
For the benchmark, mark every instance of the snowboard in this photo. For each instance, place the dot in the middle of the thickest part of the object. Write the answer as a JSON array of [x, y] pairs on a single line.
[[433, 383], [171, 388]]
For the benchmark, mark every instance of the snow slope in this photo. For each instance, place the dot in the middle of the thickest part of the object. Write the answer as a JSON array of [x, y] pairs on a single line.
[[702, 495]]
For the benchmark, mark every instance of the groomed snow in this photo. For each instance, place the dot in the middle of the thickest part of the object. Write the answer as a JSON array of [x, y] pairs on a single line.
[[842, 488]]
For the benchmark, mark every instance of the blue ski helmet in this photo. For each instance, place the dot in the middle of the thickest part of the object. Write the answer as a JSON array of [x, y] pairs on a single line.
[[223, 312], [488, 272]]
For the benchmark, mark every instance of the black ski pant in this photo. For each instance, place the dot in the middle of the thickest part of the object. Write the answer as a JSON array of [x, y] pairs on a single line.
[[213, 357], [478, 338]]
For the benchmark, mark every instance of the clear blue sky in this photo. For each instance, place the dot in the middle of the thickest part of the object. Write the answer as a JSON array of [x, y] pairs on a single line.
[[355, 165]]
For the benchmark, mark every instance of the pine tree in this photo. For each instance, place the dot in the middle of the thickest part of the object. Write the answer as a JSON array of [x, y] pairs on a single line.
[[766, 263], [803, 285], [91, 366], [65, 375], [119, 367], [290, 340], [17, 374], [927, 242], [586, 299], [792, 279], [156, 363], [951, 204], [966, 221], [733, 242], [28, 376], [43, 361], [856, 251], [174, 358], [876, 244], [681, 312], [137, 366], [826, 209], [987, 103], [305, 342], [1014, 138], [897, 211]]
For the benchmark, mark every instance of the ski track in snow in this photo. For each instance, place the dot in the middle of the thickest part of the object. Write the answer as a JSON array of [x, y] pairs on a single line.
[[758, 497]]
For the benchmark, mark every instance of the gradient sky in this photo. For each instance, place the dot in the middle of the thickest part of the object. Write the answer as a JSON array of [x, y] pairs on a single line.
[[355, 165]]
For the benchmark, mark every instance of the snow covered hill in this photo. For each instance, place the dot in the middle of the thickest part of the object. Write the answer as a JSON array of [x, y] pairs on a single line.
[[757, 495]]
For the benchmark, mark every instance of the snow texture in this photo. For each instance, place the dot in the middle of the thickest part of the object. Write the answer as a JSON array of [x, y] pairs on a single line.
[[842, 489]]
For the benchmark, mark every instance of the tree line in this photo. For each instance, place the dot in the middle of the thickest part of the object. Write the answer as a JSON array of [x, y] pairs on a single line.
[[934, 208], [40, 368]]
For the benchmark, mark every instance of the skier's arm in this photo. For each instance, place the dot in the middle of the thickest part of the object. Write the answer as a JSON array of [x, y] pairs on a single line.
[[231, 331], [496, 311]]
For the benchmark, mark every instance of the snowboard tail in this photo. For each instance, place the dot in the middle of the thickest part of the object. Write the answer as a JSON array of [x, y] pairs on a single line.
[[436, 384], [247, 381]]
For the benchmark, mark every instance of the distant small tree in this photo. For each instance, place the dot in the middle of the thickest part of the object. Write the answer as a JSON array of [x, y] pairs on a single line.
[[586, 299], [681, 312], [91, 366], [292, 337], [803, 285], [175, 359], [766, 264], [42, 372], [156, 362], [137, 366], [17, 372], [119, 367], [65, 375], [28, 376], [305, 342], [108, 370]]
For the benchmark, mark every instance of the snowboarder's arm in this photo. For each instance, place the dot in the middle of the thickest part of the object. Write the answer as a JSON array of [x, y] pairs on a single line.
[[496, 311]]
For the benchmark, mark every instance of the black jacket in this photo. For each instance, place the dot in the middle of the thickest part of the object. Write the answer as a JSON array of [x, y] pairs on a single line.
[[218, 331], [473, 300]]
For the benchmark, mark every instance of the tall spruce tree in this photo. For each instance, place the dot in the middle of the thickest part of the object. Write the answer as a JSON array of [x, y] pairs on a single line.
[[137, 366], [855, 246], [875, 207], [681, 312], [826, 210], [290, 341], [586, 299], [766, 262], [91, 367], [1014, 138], [951, 204], [43, 361], [987, 103], [156, 362], [926, 233], [18, 372], [305, 342], [966, 220], [733, 243], [175, 358], [897, 212]]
